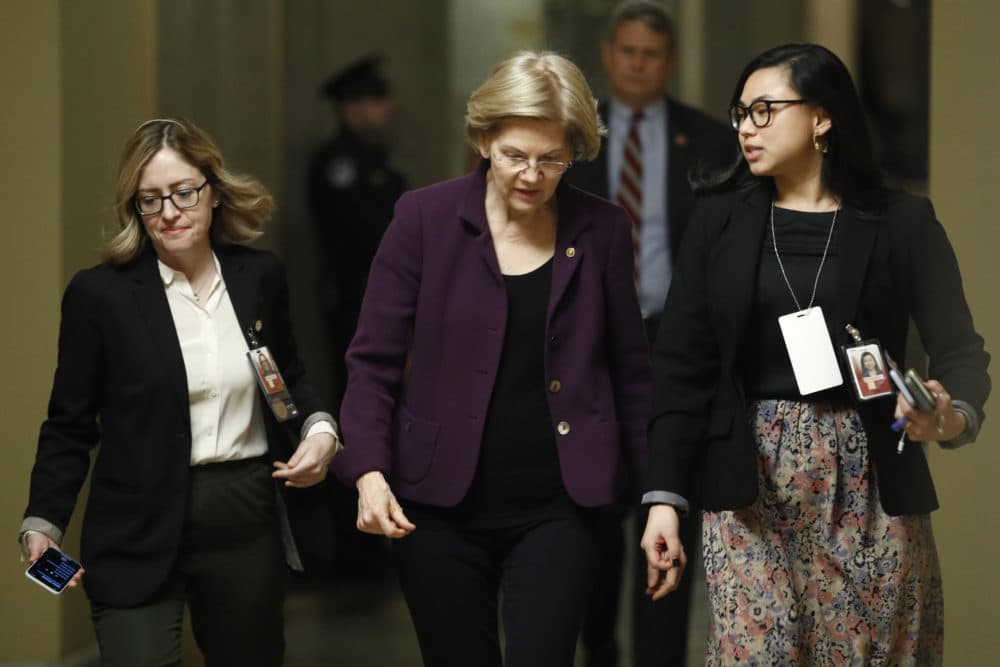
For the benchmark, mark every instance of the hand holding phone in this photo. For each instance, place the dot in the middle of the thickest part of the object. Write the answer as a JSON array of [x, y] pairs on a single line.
[[911, 386], [923, 399], [53, 570]]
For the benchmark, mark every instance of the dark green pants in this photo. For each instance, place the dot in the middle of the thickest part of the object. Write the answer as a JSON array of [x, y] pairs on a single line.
[[230, 573]]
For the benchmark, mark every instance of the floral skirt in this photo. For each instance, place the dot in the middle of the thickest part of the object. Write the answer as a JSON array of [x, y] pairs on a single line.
[[815, 572]]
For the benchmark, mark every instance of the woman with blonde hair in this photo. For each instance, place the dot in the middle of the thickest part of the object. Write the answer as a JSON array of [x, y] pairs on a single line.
[[197, 496], [498, 373]]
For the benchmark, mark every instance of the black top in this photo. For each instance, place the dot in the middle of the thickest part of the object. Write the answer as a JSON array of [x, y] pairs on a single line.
[[518, 463], [801, 237]]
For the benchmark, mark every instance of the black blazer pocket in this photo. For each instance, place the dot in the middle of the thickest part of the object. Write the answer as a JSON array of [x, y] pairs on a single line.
[[416, 445]]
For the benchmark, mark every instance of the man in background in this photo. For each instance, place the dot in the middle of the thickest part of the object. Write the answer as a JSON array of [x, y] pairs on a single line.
[[653, 141], [352, 189]]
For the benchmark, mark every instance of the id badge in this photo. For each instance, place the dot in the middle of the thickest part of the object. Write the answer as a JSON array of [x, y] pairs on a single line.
[[869, 369], [810, 350], [272, 384]]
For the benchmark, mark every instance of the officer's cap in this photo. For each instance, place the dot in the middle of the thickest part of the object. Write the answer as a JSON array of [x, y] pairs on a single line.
[[358, 80]]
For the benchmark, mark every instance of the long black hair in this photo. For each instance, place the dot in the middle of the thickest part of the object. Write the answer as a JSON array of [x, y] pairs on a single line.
[[820, 77]]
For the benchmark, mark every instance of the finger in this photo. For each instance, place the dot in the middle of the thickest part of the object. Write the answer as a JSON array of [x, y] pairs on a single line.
[[388, 526], [304, 479], [399, 518], [654, 577], [672, 579], [660, 589], [901, 406], [298, 455]]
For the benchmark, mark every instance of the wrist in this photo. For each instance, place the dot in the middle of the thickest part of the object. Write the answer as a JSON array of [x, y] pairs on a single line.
[[369, 478], [952, 424]]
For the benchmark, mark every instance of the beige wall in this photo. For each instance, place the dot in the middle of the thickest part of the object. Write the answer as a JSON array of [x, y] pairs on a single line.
[[30, 187], [82, 72], [965, 68]]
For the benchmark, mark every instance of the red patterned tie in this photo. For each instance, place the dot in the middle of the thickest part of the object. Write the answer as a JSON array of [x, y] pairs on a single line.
[[630, 187]]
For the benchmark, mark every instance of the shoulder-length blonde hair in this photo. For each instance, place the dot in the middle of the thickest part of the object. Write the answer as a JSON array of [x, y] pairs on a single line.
[[244, 203], [541, 86]]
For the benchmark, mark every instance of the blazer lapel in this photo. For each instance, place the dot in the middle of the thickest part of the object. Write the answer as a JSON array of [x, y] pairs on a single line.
[[735, 266], [857, 239], [573, 220], [472, 213], [241, 287], [151, 301]]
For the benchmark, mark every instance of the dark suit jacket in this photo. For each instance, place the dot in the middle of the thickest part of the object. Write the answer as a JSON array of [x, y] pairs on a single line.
[[895, 264], [121, 382], [692, 137], [436, 305]]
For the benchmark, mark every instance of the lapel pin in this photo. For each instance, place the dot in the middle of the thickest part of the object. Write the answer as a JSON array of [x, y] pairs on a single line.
[[680, 140], [571, 251], [258, 325]]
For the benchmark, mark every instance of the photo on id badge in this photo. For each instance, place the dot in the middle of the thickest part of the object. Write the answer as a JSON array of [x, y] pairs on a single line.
[[869, 371], [267, 370]]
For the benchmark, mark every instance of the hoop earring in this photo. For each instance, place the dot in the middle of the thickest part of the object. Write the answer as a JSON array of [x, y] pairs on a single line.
[[821, 144]]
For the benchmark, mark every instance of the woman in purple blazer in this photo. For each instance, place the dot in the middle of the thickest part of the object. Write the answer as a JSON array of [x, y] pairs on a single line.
[[498, 372]]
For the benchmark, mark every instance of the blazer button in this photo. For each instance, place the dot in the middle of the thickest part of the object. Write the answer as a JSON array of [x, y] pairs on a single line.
[[562, 427], [571, 251], [555, 386]]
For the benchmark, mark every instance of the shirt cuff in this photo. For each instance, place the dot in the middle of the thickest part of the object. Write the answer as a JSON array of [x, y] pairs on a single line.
[[971, 426], [322, 422], [36, 524], [679, 503]]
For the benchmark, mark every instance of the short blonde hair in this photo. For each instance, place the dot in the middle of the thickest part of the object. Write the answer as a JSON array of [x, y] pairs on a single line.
[[244, 202], [541, 86]]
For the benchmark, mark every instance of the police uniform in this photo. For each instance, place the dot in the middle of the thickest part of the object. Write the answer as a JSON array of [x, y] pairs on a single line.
[[352, 191]]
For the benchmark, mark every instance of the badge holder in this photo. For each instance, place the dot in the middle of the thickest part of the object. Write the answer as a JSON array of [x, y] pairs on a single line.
[[868, 366], [269, 379]]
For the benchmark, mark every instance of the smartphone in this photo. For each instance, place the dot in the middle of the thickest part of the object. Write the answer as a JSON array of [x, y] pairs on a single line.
[[53, 570], [897, 379], [923, 400]]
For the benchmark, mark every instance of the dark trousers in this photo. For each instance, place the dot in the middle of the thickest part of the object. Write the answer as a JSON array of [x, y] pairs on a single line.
[[452, 575], [659, 630], [230, 573]]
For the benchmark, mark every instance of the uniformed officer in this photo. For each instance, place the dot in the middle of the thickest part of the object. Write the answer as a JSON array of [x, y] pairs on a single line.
[[352, 191]]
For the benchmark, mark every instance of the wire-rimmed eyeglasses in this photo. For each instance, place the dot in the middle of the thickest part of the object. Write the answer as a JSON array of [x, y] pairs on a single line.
[[758, 111], [184, 198], [518, 164]]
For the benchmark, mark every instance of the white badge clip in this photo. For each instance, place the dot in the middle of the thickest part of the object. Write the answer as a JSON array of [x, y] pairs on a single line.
[[810, 350]]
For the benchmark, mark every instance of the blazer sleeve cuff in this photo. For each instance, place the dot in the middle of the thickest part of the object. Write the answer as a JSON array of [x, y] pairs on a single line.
[[319, 422], [972, 425], [679, 503], [36, 524]]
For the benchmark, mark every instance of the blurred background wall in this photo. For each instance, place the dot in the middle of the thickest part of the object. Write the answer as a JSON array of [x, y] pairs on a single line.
[[76, 77]]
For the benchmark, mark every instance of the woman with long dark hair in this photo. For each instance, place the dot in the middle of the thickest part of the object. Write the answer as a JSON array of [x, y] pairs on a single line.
[[817, 536]]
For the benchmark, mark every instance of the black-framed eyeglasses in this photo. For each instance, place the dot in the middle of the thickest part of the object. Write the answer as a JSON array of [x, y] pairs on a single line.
[[183, 198], [759, 112], [518, 164]]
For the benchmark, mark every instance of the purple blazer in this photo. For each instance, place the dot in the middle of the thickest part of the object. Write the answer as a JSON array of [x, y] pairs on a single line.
[[424, 359]]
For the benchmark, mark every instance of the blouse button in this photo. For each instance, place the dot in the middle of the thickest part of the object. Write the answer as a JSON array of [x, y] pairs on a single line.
[[562, 427]]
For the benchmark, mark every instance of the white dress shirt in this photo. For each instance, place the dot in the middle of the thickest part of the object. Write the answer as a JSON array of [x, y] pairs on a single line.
[[227, 423]]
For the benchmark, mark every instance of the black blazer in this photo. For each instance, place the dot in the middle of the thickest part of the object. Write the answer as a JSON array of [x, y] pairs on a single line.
[[896, 264], [121, 382], [692, 138]]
